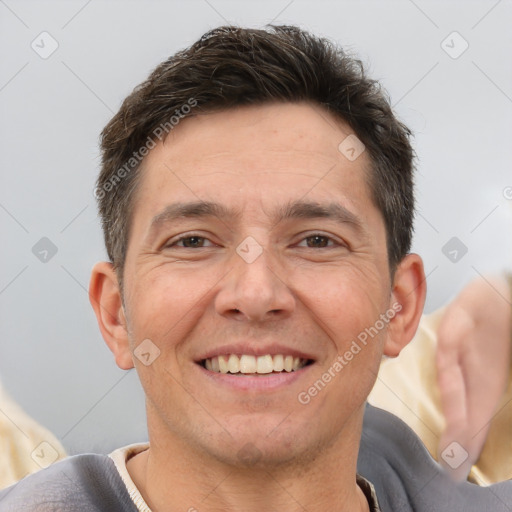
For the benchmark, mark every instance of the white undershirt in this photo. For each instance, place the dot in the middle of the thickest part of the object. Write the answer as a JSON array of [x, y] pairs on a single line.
[[120, 456]]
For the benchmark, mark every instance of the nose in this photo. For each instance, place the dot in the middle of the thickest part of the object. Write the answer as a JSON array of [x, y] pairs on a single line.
[[255, 290]]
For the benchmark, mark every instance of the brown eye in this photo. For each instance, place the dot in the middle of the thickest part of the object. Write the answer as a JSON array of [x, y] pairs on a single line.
[[192, 242], [317, 241]]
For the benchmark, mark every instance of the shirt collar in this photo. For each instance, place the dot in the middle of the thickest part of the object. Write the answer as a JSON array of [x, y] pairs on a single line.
[[122, 455], [369, 492]]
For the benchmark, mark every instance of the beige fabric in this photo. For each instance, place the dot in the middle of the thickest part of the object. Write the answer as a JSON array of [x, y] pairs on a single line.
[[407, 387], [120, 458], [25, 446]]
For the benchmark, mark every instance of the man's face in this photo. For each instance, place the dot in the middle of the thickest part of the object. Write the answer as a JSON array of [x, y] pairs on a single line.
[[288, 258]]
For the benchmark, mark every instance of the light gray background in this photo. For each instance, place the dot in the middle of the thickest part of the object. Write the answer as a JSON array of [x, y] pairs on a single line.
[[52, 357]]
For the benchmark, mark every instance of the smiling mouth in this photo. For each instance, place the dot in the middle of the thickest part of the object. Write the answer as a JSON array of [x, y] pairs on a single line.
[[254, 365]]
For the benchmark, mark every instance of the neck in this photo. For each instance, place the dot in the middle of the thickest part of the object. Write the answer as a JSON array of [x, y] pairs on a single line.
[[172, 476]]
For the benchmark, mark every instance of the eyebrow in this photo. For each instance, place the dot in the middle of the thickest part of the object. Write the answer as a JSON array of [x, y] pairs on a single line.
[[299, 209], [193, 209], [313, 210]]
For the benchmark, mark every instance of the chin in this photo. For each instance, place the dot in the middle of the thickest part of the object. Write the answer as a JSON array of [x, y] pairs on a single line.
[[250, 455], [262, 444]]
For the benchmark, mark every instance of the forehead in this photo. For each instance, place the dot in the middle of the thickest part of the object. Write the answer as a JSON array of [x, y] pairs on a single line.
[[253, 157]]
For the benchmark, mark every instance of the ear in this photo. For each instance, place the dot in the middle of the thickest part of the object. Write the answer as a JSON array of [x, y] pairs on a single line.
[[105, 298], [407, 300]]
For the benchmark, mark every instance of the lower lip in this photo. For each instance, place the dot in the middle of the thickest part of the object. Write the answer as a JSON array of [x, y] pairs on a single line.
[[261, 382]]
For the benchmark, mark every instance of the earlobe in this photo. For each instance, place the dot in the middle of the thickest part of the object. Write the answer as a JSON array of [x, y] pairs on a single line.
[[105, 298], [407, 300]]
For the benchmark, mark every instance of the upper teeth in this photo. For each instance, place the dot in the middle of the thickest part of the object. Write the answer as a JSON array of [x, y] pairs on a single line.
[[251, 364]]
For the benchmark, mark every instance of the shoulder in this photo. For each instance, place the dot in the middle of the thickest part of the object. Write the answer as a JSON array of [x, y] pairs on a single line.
[[407, 478], [86, 483]]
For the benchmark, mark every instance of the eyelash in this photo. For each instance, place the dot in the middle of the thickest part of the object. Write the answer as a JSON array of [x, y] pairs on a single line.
[[335, 243], [175, 243], [186, 237]]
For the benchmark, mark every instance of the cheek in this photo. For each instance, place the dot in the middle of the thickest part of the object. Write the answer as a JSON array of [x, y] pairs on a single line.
[[164, 304], [174, 290], [347, 305], [344, 299], [169, 306]]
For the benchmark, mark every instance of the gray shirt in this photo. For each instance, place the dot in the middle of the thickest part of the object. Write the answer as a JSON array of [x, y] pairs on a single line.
[[391, 457]]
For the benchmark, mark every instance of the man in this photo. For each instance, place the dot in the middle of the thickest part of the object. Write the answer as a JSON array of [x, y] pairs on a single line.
[[256, 199]]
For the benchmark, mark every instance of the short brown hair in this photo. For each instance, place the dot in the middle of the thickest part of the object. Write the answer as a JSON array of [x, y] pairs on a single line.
[[232, 66]]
